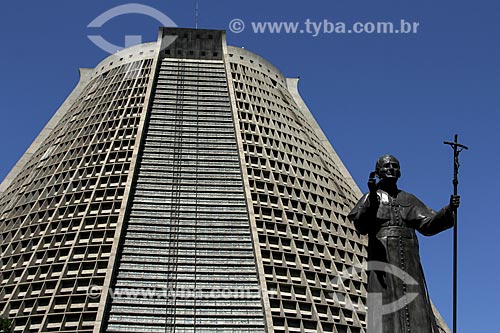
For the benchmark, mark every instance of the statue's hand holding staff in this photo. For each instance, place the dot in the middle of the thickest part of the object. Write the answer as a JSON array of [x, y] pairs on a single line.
[[454, 202]]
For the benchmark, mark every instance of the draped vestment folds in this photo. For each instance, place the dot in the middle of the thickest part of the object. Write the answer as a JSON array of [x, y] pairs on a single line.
[[400, 293]]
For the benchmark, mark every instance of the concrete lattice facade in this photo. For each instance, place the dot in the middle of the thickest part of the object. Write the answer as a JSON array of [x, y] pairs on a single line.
[[59, 214], [193, 171]]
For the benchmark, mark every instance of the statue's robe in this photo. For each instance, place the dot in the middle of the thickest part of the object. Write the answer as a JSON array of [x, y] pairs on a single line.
[[399, 299]]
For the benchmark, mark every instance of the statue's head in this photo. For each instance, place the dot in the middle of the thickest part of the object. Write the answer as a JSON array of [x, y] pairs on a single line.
[[387, 168]]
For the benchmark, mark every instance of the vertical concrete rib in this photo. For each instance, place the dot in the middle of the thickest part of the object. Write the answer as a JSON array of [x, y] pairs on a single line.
[[248, 196], [106, 292]]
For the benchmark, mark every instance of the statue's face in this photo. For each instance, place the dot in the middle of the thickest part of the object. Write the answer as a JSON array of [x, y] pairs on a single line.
[[388, 168]]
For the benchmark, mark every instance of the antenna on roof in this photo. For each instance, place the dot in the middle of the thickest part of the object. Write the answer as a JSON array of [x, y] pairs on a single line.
[[196, 16]]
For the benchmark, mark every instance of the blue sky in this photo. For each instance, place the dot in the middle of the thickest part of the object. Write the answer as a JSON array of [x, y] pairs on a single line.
[[371, 93]]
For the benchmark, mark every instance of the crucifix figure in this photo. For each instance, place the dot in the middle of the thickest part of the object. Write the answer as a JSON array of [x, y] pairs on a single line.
[[397, 295]]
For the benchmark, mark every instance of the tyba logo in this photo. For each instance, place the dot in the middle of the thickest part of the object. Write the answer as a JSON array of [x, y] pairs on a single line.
[[131, 8]]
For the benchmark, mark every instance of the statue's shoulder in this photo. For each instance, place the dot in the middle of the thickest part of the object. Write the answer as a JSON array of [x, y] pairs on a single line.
[[406, 197], [404, 194]]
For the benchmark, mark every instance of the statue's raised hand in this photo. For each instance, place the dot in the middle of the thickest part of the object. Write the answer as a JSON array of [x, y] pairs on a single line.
[[372, 183]]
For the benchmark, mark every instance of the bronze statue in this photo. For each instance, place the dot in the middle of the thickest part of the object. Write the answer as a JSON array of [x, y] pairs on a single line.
[[397, 295]]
